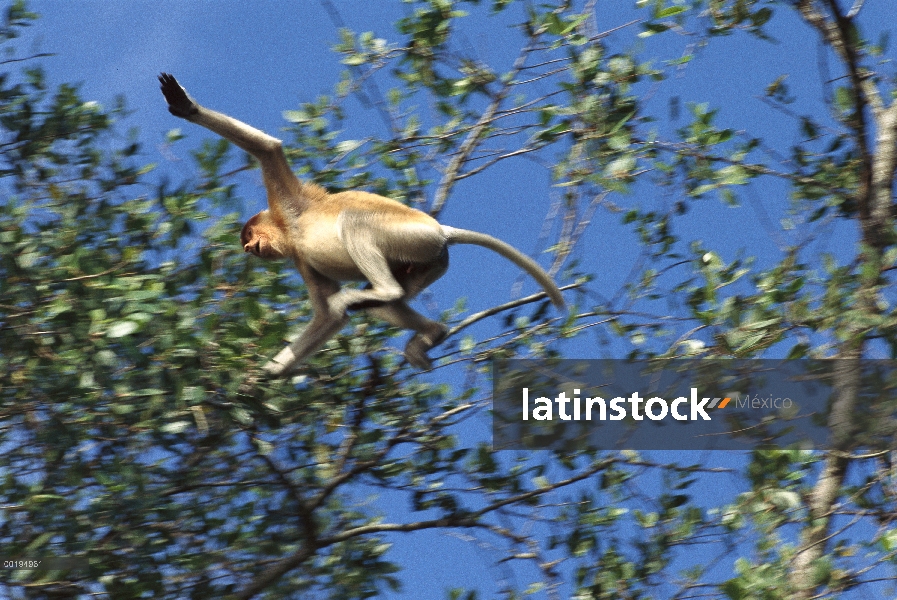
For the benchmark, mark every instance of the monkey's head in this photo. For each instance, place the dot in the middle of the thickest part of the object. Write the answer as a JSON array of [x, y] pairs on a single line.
[[261, 236]]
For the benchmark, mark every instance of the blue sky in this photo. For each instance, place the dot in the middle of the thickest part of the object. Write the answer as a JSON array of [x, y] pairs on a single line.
[[254, 60]]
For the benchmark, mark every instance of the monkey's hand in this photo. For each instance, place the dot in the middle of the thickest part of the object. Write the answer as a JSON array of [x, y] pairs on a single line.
[[274, 369], [179, 103]]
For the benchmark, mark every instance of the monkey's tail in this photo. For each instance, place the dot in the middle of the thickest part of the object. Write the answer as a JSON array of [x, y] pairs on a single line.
[[453, 235]]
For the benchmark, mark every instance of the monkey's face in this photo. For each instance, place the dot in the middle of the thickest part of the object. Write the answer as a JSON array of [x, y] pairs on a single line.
[[259, 237]]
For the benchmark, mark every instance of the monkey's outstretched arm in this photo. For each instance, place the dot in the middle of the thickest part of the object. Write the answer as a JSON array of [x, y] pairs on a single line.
[[250, 139], [267, 149]]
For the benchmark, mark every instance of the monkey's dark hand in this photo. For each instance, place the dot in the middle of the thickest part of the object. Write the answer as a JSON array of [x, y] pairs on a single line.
[[179, 103]]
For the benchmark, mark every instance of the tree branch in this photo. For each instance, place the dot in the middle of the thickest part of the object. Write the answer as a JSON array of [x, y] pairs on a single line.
[[450, 177]]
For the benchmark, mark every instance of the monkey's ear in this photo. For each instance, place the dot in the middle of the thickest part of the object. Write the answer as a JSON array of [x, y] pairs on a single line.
[[179, 103]]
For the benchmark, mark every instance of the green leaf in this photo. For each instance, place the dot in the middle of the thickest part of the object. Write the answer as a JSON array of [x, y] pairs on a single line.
[[355, 60], [175, 427], [347, 146], [40, 541], [669, 12], [122, 328]]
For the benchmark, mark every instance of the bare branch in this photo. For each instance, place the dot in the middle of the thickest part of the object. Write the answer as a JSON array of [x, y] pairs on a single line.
[[450, 177], [503, 307]]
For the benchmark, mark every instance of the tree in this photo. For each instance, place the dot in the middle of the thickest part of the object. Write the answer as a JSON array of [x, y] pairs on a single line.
[[131, 327]]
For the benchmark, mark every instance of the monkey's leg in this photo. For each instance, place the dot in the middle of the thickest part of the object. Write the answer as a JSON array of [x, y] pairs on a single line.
[[384, 288], [413, 277], [371, 242], [428, 333], [322, 327]]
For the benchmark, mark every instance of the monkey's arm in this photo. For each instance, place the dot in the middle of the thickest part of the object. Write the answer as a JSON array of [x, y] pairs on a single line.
[[180, 104], [322, 327], [267, 149]]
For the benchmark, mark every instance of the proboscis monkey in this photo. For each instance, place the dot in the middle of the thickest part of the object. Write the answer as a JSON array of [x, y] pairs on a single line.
[[349, 236]]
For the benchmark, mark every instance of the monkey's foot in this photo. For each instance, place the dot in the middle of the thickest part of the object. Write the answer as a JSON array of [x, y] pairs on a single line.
[[419, 344], [179, 103]]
